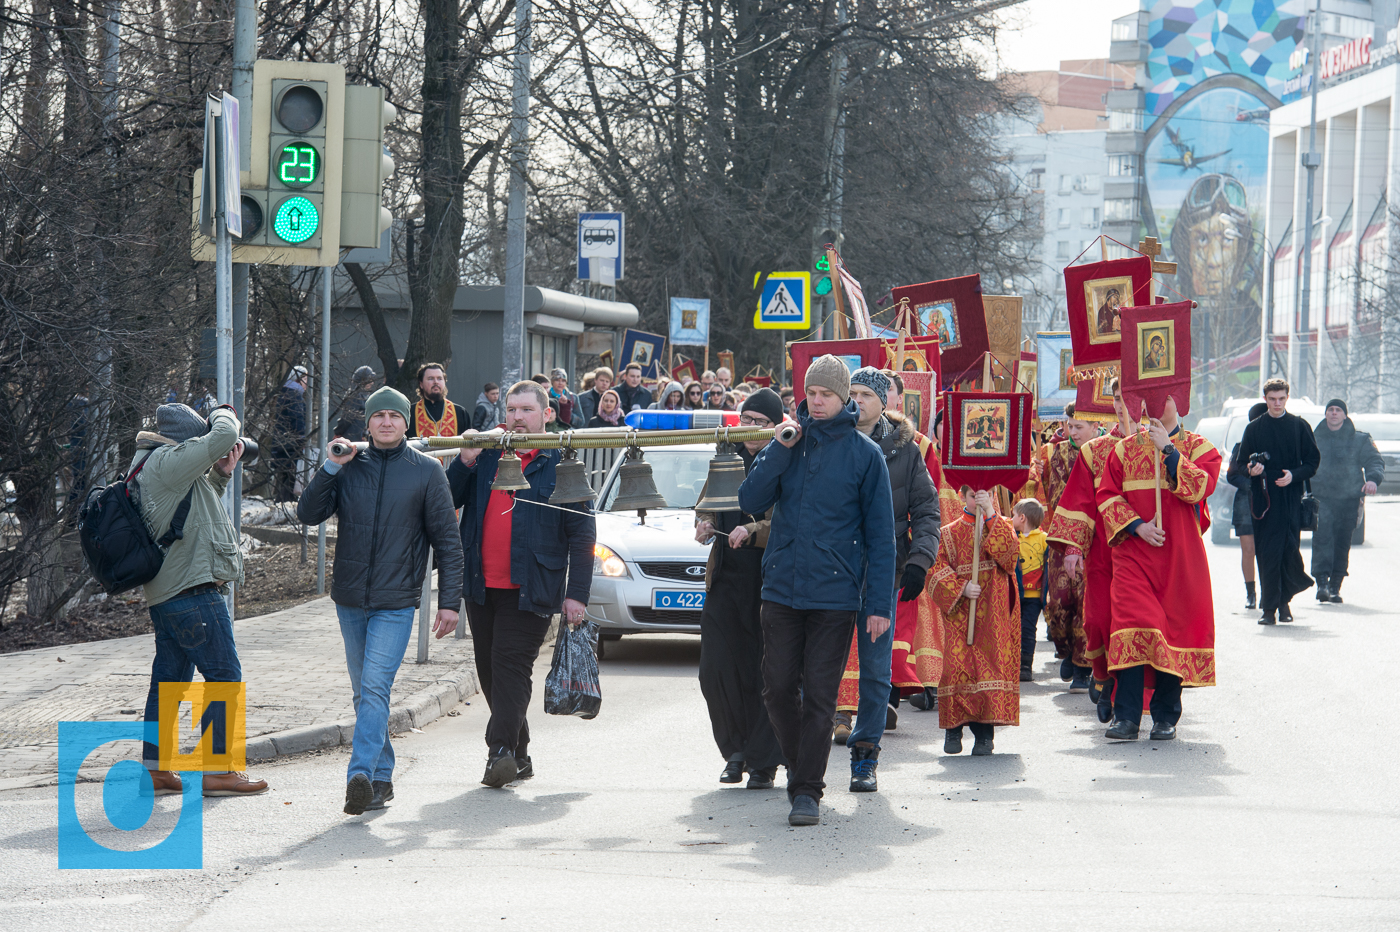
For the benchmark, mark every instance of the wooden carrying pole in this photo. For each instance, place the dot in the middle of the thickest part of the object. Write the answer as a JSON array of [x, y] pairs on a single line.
[[834, 261]]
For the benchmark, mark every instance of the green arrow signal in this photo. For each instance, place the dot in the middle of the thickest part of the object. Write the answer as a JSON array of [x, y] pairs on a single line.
[[823, 264]]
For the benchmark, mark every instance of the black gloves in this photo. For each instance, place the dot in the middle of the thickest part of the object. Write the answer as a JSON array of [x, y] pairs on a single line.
[[912, 582]]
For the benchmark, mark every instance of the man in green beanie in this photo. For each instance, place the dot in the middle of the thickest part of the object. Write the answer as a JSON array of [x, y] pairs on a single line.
[[392, 503]]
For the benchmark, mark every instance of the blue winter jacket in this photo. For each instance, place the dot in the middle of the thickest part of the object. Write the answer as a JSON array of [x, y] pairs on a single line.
[[831, 545], [551, 547]]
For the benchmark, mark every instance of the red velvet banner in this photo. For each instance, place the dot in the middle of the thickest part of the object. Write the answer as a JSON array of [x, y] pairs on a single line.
[[1094, 401], [1096, 295], [986, 439], [952, 310], [1157, 358]]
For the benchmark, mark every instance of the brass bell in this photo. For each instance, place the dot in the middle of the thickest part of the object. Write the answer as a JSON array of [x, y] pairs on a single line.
[[722, 484], [637, 489], [509, 475], [571, 482]]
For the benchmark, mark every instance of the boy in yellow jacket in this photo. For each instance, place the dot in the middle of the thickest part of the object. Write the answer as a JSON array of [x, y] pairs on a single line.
[[1026, 519]]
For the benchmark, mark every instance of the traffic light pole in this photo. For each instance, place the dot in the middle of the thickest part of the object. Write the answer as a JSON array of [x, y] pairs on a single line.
[[513, 325], [223, 315], [325, 433], [245, 30]]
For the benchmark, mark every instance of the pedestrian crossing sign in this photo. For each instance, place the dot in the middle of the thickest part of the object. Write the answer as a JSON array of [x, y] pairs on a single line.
[[785, 303]]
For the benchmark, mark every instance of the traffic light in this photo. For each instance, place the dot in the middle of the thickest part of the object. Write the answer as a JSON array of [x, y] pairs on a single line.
[[821, 263], [293, 186], [367, 165]]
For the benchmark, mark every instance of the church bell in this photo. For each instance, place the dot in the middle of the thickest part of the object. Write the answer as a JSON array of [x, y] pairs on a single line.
[[509, 475], [571, 481], [722, 484], [637, 489]]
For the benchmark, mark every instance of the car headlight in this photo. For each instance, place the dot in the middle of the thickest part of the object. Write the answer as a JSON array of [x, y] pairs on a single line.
[[608, 563]]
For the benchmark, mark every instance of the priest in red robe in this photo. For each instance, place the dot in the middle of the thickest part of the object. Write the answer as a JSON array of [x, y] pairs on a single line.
[[1162, 613]]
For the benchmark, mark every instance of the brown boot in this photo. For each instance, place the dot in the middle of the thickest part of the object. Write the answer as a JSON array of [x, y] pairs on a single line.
[[233, 783], [841, 727], [163, 783]]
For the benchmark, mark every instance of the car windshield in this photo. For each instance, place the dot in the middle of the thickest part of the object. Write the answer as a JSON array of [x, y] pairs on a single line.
[[1379, 426], [679, 477]]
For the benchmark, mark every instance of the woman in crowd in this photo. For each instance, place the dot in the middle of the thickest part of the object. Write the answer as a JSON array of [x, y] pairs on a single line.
[[609, 411]]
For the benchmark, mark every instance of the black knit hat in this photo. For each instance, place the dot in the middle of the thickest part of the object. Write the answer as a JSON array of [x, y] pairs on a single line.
[[766, 402], [1338, 403], [1257, 410]]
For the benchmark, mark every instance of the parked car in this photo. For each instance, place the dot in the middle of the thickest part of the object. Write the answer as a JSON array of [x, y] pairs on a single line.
[[1385, 431], [649, 577], [1222, 500]]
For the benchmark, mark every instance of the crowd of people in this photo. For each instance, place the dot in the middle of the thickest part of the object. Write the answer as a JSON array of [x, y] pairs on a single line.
[[849, 578]]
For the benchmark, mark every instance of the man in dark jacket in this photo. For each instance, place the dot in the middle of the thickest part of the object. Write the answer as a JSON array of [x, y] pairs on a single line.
[[916, 529], [631, 392], [1351, 466], [830, 555], [588, 401], [1276, 497], [289, 433], [518, 551], [391, 503], [351, 425], [487, 414]]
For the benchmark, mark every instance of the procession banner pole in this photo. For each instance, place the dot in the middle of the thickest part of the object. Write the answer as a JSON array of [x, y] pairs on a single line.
[[1157, 484], [976, 572]]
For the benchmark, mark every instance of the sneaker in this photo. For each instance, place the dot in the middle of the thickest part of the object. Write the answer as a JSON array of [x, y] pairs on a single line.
[[233, 783], [1080, 682], [524, 770], [500, 768], [1067, 669], [762, 779], [891, 718], [864, 761], [926, 701], [804, 811], [1026, 675], [842, 729], [358, 794], [383, 792], [952, 740]]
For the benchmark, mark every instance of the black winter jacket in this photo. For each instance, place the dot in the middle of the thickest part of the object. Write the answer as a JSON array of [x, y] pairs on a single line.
[[391, 505], [548, 544], [916, 519], [1349, 459]]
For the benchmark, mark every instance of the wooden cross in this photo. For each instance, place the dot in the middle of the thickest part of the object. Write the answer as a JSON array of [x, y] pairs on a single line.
[[1150, 247]]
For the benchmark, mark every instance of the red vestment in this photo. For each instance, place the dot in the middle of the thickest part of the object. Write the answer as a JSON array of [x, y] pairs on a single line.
[[981, 681], [1063, 592], [1162, 612]]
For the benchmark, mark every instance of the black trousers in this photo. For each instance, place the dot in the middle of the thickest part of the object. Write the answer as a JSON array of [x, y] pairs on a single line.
[[506, 641], [1278, 554], [1331, 542], [1030, 614], [804, 654], [1166, 697]]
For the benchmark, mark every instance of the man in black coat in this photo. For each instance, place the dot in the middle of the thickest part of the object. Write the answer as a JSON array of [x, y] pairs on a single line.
[[631, 392], [526, 561], [1276, 488], [289, 432], [1351, 466], [391, 503]]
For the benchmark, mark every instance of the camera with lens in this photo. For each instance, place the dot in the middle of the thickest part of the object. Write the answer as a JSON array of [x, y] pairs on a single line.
[[250, 452], [1259, 459]]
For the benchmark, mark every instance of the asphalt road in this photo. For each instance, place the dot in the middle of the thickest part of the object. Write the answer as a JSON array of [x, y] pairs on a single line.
[[1275, 809]]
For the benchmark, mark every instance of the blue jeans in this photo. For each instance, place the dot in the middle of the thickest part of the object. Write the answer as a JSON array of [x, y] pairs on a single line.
[[192, 632], [875, 659], [374, 646]]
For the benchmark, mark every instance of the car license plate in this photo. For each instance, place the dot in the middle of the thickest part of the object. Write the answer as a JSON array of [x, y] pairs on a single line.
[[682, 599]]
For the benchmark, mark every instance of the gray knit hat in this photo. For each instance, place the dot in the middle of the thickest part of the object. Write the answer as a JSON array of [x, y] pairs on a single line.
[[387, 399], [830, 373], [180, 423], [875, 380]]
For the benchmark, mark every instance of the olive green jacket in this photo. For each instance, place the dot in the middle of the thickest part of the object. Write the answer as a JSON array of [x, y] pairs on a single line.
[[209, 550]]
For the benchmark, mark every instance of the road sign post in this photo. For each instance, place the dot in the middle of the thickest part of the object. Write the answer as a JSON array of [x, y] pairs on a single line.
[[602, 247]]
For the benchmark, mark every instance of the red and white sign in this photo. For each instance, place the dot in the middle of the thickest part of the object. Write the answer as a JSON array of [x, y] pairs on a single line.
[[1353, 54]]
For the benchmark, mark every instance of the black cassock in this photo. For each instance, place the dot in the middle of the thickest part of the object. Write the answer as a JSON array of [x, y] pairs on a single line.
[[1277, 512], [731, 648]]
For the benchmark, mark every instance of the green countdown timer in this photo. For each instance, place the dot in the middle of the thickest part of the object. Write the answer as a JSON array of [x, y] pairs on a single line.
[[298, 164], [296, 221]]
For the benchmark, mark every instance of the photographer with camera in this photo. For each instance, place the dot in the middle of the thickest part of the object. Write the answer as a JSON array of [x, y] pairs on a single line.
[[1282, 455]]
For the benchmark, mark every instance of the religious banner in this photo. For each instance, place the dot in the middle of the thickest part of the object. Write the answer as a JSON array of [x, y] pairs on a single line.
[[1096, 295], [1157, 358], [854, 353], [1094, 402], [952, 310], [642, 348], [921, 354], [690, 321], [726, 360], [917, 403], [1055, 374], [685, 372], [1003, 314], [1025, 376], [986, 439]]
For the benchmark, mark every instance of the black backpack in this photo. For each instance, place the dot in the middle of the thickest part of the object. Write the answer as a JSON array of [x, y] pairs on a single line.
[[118, 547]]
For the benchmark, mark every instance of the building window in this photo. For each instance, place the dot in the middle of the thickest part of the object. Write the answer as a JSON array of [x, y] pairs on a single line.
[[1122, 166], [1091, 216], [1062, 249], [1119, 208], [546, 353], [1125, 120], [1125, 29], [1066, 184], [1064, 217]]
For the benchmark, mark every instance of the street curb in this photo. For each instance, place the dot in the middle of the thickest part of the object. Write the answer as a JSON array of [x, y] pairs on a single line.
[[414, 712]]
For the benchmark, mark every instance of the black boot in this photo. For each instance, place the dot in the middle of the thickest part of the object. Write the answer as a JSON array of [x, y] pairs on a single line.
[[982, 740], [1249, 598], [952, 740], [1285, 613], [864, 760], [1334, 591], [733, 772], [1267, 619], [1324, 594]]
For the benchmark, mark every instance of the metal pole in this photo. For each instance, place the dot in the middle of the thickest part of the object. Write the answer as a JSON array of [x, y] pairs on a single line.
[[223, 309], [1310, 162], [513, 325], [323, 434], [425, 610], [245, 28]]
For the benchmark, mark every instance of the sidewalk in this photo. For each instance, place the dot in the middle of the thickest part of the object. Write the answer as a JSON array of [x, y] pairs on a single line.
[[293, 662]]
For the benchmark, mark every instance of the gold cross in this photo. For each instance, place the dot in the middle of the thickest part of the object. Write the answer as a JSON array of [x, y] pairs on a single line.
[[1150, 247]]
